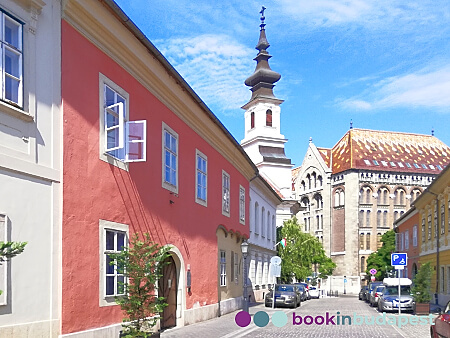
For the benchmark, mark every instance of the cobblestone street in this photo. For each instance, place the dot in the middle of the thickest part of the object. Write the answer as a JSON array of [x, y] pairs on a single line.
[[226, 327]]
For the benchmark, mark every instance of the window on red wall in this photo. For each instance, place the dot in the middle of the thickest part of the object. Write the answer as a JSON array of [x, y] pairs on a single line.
[[269, 118]]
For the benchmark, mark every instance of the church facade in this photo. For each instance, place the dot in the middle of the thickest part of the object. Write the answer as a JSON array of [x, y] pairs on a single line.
[[352, 193]]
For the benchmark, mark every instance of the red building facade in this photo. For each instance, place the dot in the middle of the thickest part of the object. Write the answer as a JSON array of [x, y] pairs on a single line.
[[176, 173]]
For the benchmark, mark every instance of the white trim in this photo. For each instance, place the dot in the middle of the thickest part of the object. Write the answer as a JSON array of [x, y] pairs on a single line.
[[103, 225], [4, 265], [198, 200], [226, 196], [103, 80], [167, 185]]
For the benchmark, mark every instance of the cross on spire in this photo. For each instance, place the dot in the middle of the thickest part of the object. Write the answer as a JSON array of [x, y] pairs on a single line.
[[262, 17]]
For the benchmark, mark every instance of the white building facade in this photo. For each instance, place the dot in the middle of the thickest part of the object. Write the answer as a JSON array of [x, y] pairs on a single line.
[[30, 166]]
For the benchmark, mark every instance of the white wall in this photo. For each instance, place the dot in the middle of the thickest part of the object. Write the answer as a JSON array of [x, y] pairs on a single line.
[[30, 174]]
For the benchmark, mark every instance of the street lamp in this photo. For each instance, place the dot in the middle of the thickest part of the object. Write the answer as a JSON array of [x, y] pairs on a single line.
[[244, 249]]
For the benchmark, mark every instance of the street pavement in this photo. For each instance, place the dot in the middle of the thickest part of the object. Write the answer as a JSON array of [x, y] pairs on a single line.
[[363, 326]]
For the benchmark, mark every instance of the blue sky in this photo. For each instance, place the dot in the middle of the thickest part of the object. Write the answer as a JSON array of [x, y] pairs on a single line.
[[383, 64]]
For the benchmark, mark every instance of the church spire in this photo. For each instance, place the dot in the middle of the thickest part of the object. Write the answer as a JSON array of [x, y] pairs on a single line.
[[263, 78]]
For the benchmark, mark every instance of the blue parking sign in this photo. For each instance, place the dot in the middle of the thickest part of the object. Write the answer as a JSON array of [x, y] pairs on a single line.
[[399, 259]]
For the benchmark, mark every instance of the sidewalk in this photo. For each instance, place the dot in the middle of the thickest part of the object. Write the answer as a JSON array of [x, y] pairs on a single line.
[[223, 326]]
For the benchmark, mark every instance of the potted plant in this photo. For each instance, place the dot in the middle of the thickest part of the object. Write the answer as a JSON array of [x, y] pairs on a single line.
[[141, 263], [421, 289]]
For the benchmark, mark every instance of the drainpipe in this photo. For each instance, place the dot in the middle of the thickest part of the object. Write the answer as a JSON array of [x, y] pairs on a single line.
[[436, 295]]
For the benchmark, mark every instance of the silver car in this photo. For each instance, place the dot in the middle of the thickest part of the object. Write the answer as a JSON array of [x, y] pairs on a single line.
[[389, 301], [285, 295], [375, 295]]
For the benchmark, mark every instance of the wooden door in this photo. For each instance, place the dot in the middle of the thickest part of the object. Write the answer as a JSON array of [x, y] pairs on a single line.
[[168, 289]]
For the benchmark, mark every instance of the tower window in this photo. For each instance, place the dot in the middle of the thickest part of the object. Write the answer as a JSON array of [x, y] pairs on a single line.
[[269, 118], [252, 120]]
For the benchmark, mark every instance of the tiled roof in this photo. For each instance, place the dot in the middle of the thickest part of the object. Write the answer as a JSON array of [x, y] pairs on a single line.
[[389, 151], [326, 155]]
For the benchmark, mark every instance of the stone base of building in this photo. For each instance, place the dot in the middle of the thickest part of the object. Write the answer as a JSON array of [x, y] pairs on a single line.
[[200, 313], [230, 305], [48, 328], [110, 331]]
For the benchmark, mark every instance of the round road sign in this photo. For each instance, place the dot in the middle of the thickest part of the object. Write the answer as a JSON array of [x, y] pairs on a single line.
[[373, 271]]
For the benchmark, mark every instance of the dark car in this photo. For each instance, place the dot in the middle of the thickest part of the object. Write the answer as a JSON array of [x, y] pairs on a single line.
[[285, 295], [441, 324], [372, 287], [362, 293], [306, 288], [303, 292]]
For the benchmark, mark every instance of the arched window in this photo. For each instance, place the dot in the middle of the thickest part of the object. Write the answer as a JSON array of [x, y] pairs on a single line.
[[336, 199], [361, 218], [368, 218], [256, 218], [317, 222], [303, 186], [368, 196], [443, 220], [361, 241], [268, 225], [395, 215], [429, 225], [308, 177], [305, 203], [314, 179], [305, 220], [263, 222], [252, 120], [320, 180], [361, 196], [367, 241], [385, 213], [342, 197], [319, 201], [363, 264], [378, 218], [269, 118], [379, 243]]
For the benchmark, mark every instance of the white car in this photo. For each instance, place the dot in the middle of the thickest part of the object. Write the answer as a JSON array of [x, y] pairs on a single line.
[[313, 292]]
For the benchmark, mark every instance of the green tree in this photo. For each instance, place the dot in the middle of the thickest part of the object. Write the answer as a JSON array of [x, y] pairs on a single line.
[[381, 259], [9, 250], [141, 263], [421, 289], [302, 252]]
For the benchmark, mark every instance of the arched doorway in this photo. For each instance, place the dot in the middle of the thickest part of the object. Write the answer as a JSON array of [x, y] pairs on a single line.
[[168, 289]]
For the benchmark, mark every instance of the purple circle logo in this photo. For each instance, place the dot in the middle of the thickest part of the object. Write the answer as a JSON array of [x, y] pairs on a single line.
[[243, 318]]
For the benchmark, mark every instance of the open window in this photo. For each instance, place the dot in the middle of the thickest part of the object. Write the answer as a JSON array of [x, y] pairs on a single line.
[[122, 139]]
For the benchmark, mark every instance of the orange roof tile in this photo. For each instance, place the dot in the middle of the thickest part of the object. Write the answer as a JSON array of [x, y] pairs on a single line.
[[389, 151]]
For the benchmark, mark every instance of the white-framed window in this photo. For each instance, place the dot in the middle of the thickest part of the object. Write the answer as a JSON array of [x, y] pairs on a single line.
[[236, 268], [256, 218], [223, 268], [269, 222], [263, 222], [121, 141], [201, 178], [169, 158], [241, 204], [406, 239], [415, 235], [225, 193], [4, 265], [113, 238], [11, 59]]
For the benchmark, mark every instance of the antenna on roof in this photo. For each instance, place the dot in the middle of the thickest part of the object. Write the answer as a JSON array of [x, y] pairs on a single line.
[[432, 131], [351, 124]]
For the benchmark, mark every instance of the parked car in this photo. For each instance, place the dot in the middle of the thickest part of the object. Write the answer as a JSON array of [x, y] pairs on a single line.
[[375, 295], [314, 292], [303, 292], [372, 287], [362, 292], [441, 324], [306, 288], [390, 301], [285, 295]]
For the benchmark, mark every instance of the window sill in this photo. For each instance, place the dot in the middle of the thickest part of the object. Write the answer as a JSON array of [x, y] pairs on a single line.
[[16, 112]]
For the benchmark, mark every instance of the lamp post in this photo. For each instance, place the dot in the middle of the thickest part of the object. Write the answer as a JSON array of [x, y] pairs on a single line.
[[244, 249]]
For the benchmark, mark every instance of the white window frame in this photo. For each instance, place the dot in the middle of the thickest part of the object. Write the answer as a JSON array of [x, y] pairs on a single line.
[[104, 225], [126, 141], [226, 187], [223, 267], [202, 173], [406, 239], [4, 265], [236, 268], [165, 184], [241, 205], [17, 50]]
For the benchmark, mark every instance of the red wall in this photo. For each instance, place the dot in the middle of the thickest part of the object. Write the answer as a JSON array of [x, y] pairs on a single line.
[[94, 189], [413, 251]]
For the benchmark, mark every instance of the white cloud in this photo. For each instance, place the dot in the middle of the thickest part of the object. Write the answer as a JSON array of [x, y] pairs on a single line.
[[427, 88], [215, 66]]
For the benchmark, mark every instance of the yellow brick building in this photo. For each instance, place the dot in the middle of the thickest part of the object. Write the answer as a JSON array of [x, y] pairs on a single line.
[[434, 233]]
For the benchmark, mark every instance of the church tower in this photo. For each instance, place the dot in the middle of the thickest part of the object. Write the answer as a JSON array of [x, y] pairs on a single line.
[[263, 140]]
